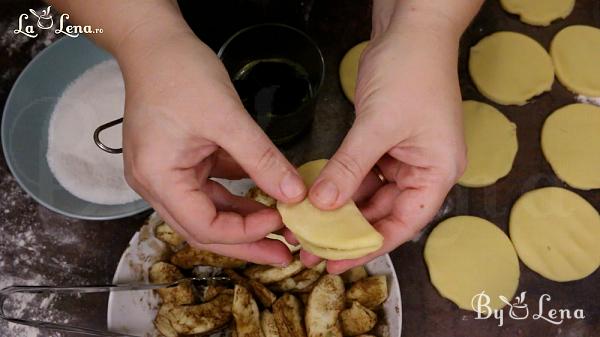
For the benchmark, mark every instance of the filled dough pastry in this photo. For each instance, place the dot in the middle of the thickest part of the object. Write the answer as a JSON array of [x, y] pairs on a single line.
[[556, 233], [467, 255], [349, 69], [510, 68], [571, 144], [335, 235], [491, 144], [335, 254], [575, 52], [539, 12]]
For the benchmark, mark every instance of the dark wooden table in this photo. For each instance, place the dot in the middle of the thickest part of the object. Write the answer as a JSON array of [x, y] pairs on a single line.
[[37, 245]]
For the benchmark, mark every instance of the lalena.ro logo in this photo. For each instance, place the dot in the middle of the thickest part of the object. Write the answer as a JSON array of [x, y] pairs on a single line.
[[28, 25], [520, 310]]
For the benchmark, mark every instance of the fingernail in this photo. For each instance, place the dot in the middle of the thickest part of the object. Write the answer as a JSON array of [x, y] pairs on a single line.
[[292, 186], [326, 193]]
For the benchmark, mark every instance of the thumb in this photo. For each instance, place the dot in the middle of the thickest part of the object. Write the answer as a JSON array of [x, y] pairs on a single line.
[[345, 171], [264, 163]]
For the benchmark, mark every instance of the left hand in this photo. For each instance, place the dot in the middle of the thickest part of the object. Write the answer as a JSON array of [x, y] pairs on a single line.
[[408, 124]]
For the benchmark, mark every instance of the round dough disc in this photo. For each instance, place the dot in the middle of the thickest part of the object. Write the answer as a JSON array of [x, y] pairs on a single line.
[[491, 144], [510, 68], [349, 69], [575, 52], [556, 233], [466, 255], [539, 12], [571, 144]]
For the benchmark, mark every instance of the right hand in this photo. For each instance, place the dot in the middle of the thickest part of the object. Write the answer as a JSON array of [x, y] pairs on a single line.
[[184, 123]]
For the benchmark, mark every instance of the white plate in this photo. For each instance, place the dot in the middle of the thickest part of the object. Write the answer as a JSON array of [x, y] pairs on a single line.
[[133, 312]]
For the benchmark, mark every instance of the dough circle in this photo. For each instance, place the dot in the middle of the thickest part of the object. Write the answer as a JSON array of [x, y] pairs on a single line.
[[556, 233], [571, 144], [349, 69], [466, 255], [510, 68], [539, 12], [491, 144], [339, 234], [575, 52]]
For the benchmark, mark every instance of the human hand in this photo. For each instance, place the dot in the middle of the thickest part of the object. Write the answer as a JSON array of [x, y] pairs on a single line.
[[185, 123], [409, 125]]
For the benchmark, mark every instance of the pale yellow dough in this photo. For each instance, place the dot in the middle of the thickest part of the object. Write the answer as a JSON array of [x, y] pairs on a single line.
[[491, 144], [539, 12], [466, 255], [571, 144], [339, 234], [556, 233], [575, 52], [334, 254], [349, 69], [510, 68]]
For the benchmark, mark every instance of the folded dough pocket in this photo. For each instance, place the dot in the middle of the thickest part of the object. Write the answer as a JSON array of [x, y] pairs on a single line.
[[339, 234], [336, 254]]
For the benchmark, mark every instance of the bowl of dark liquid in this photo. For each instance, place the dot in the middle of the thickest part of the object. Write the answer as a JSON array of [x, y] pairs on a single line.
[[277, 71]]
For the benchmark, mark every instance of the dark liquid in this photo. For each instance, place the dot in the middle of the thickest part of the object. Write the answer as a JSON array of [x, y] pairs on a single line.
[[272, 87]]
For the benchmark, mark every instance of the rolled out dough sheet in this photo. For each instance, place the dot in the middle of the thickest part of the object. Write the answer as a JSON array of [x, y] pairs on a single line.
[[539, 12], [575, 52], [556, 233], [571, 144], [491, 144], [510, 68], [467, 255]]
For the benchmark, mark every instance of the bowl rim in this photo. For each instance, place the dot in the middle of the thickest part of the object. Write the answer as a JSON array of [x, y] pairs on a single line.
[[9, 163], [298, 31]]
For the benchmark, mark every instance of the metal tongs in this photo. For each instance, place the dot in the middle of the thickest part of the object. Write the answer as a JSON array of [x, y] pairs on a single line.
[[7, 292]]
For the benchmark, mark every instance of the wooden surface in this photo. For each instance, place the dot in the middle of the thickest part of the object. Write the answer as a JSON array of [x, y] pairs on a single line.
[[336, 25]]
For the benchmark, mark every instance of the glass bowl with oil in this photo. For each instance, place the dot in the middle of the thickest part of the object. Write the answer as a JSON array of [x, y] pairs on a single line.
[[277, 71]]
